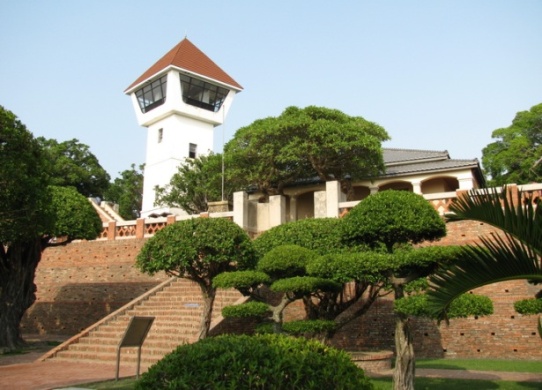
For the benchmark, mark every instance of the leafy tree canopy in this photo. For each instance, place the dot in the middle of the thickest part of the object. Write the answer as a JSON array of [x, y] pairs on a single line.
[[74, 216], [31, 213], [393, 217], [516, 155], [321, 235], [198, 249], [197, 182], [23, 181], [304, 144], [73, 164], [127, 192]]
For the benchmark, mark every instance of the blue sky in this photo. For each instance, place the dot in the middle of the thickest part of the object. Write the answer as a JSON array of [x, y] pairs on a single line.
[[437, 75]]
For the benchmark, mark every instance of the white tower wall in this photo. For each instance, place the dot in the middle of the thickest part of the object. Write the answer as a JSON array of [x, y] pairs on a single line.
[[164, 155]]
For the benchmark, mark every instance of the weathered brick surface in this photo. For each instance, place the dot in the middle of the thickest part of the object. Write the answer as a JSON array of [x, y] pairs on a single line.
[[82, 282]]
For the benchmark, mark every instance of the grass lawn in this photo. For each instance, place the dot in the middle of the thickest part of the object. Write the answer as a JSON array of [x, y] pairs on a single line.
[[455, 384], [481, 365], [424, 383]]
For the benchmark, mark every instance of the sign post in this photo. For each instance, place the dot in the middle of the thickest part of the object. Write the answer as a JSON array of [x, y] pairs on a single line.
[[134, 336]]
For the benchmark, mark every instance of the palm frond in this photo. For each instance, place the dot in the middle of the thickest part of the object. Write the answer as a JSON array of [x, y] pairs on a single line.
[[503, 211], [496, 260]]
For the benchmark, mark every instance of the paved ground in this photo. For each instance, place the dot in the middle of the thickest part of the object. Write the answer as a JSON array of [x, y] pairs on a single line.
[[22, 372]]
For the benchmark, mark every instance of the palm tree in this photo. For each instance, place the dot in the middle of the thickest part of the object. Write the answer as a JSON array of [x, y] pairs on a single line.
[[513, 254]]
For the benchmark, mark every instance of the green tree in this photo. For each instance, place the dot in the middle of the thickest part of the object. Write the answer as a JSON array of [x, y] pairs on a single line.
[[337, 262], [73, 164], [32, 216], [393, 219], [198, 249], [304, 144], [196, 183], [282, 270], [513, 254], [127, 192], [516, 155]]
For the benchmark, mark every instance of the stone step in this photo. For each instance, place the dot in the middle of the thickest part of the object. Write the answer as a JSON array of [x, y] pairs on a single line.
[[177, 310]]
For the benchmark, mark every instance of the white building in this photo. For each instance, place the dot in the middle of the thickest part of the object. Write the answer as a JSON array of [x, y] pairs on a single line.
[[180, 100]]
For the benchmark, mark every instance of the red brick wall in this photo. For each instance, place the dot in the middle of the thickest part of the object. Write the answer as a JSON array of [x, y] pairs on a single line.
[[80, 283]]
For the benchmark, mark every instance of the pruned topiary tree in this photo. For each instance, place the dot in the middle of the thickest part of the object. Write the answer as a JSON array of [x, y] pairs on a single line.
[[391, 219], [198, 249]]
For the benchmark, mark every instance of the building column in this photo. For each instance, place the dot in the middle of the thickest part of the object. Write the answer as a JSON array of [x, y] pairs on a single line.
[[416, 187], [334, 196], [277, 210], [293, 208], [240, 209]]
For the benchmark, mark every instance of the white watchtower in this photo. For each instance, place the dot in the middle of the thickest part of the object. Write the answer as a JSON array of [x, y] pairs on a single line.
[[180, 100]]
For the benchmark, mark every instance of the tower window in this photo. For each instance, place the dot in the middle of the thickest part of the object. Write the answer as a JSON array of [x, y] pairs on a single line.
[[202, 94], [192, 149], [160, 135], [152, 95]]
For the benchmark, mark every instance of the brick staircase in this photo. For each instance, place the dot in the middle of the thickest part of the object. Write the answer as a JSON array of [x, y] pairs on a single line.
[[176, 305]]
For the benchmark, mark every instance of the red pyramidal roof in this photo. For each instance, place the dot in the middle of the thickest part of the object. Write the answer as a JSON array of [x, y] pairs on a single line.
[[188, 57]]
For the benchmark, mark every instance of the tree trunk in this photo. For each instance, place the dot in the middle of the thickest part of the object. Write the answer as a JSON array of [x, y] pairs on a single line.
[[277, 311], [404, 372], [209, 294], [18, 264]]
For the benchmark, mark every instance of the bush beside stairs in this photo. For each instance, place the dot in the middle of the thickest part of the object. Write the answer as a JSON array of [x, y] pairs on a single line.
[[176, 305]]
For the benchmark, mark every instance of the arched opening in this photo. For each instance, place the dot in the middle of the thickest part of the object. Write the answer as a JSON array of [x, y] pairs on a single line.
[[360, 192], [305, 205], [397, 185], [439, 184]]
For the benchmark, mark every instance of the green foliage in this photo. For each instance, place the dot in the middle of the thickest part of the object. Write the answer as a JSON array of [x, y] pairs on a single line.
[[426, 260], [255, 362], [308, 328], [197, 182], [127, 192], [241, 280], [74, 216], [368, 266], [321, 235], [516, 155], [199, 249], [529, 306], [464, 306], [285, 261], [302, 285], [72, 164], [393, 217], [303, 144], [248, 309], [23, 181], [470, 304]]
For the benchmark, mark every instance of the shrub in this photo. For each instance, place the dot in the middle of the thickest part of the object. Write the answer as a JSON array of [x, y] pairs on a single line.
[[321, 235], [529, 306], [285, 261], [255, 362], [461, 307], [248, 309], [301, 328]]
